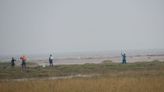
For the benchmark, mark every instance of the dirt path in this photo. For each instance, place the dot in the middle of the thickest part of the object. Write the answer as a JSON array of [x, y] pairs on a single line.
[[53, 78]]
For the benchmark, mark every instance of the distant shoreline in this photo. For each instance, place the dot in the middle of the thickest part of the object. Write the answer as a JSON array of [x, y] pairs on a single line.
[[93, 57]]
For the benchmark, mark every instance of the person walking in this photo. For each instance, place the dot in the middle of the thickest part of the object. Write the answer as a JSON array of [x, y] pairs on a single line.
[[13, 61], [51, 60], [24, 59]]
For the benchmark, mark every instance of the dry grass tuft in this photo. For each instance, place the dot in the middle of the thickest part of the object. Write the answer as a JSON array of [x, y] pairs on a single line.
[[99, 84]]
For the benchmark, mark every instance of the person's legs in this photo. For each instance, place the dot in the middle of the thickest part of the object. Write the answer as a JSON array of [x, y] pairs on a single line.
[[13, 64], [51, 63], [23, 65], [123, 62]]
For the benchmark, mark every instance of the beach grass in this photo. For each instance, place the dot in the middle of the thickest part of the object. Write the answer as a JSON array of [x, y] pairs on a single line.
[[113, 77], [94, 84], [66, 70]]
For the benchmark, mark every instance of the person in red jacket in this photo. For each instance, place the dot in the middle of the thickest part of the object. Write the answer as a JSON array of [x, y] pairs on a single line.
[[24, 59]]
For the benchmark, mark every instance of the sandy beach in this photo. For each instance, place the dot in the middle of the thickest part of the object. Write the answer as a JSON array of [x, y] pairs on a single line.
[[131, 59], [93, 57]]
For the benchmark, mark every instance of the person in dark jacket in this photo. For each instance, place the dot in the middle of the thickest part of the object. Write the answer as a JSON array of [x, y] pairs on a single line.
[[123, 58], [13, 61], [51, 60]]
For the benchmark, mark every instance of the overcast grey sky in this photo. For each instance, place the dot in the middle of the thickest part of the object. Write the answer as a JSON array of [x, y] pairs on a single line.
[[43, 26]]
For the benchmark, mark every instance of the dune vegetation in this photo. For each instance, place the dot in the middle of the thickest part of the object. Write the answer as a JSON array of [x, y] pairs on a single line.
[[112, 77], [100, 84], [8, 72]]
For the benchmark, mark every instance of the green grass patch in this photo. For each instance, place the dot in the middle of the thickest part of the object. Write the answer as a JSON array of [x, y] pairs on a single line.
[[107, 67]]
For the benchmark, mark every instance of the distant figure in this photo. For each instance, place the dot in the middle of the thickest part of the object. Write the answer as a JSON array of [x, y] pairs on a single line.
[[13, 61], [24, 59], [51, 60], [123, 58]]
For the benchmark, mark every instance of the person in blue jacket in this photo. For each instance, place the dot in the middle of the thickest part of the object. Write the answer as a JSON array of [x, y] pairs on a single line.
[[123, 58]]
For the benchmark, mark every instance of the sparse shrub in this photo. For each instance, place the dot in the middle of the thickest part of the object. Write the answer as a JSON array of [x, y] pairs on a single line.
[[107, 61]]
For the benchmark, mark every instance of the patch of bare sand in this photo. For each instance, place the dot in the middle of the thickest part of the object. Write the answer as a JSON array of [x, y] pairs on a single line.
[[117, 59], [54, 78]]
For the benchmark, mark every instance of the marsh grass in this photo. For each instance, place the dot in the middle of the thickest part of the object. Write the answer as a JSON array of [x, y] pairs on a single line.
[[114, 77], [66, 70], [97, 84]]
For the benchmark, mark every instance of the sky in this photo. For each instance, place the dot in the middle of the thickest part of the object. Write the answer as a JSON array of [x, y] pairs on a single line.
[[48, 26]]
